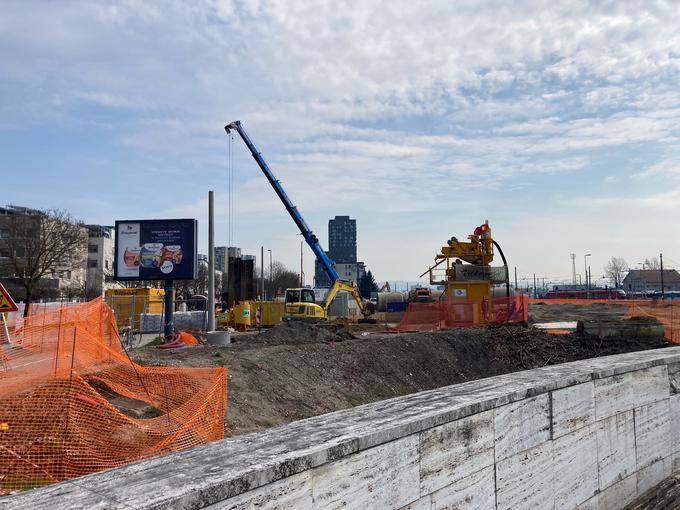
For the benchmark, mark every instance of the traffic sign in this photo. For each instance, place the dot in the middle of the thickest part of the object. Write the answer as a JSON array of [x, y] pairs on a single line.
[[7, 304]]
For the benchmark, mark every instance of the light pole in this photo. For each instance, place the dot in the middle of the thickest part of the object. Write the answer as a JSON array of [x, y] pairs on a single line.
[[271, 275], [585, 271]]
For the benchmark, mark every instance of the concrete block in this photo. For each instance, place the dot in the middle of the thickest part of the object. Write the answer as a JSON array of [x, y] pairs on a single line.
[[521, 425], [652, 433], [653, 475], [674, 377], [592, 504], [618, 495], [424, 503], [292, 492], [627, 391], [674, 404], [386, 476], [572, 408], [455, 450], [525, 480], [615, 448], [575, 467], [476, 492]]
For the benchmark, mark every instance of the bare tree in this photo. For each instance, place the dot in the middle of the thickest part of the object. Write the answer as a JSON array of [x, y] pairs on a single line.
[[40, 244], [615, 270], [278, 279], [653, 264]]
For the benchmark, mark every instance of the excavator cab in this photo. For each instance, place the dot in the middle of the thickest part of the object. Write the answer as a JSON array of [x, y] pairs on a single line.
[[301, 304]]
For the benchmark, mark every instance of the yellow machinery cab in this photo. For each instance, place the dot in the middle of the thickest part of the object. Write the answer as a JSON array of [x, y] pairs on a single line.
[[301, 304]]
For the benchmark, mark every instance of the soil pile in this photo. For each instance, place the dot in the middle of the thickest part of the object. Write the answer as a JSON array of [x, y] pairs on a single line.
[[298, 378], [299, 332]]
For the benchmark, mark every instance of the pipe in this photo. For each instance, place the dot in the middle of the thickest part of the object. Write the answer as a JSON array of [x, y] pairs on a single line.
[[505, 263]]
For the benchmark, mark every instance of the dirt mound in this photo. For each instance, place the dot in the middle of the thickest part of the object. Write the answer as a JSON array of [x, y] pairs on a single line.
[[299, 332], [295, 378]]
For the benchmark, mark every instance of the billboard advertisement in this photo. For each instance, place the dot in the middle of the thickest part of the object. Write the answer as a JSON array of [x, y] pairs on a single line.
[[155, 250]]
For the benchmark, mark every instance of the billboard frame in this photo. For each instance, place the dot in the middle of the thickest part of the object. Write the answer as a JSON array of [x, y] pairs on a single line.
[[160, 277]]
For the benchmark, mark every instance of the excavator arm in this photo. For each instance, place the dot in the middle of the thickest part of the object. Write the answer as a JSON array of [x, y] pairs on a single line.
[[350, 287]]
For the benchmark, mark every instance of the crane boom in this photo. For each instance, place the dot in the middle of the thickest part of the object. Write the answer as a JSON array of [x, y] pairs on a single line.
[[310, 238]]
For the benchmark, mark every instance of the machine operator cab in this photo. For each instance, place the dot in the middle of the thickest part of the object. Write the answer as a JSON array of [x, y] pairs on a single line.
[[301, 304]]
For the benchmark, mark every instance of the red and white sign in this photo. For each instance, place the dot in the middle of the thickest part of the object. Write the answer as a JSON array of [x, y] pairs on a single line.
[[7, 304]]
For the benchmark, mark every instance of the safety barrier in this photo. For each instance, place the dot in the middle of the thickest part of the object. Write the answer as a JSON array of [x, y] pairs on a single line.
[[666, 312], [72, 402], [442, 315]]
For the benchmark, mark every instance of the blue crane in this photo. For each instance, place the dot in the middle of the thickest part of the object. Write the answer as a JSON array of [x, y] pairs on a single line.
[[310, 237]]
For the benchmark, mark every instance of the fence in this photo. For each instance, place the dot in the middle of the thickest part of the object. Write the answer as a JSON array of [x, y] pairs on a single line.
[[666, 312], [459, 314], [72, 402]]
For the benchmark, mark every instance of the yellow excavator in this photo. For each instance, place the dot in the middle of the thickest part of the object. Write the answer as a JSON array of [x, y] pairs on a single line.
[[301, 302]]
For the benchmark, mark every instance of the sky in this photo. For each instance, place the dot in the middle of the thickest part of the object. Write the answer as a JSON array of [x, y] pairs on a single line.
[[559, 122]]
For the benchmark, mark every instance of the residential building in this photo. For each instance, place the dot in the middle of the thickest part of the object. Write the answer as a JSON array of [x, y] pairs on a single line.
[[342, 244], [100, 257], [20, 232], [342, 239], [222, 256], [649, 280]]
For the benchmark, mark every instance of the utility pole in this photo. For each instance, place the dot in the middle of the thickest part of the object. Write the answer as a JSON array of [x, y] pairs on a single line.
[[211, 261], [515, 278], [585, 269], [302, 284], [271, 277], [262, 298], [590, 280], [534, 284], [663, 294]]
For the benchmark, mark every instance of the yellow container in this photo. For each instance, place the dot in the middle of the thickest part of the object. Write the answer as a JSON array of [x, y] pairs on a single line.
[[272, 312], [129, 304], [242, 315]]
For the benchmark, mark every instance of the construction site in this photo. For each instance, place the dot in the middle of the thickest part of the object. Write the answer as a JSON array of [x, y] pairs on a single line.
[[137, 376]]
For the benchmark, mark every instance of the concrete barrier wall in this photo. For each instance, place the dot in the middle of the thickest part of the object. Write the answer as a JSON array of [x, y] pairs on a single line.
[[589, 434]]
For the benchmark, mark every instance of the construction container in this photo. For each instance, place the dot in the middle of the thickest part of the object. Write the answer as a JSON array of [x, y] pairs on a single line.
[[129, 304], [271, 312], [242, 316]]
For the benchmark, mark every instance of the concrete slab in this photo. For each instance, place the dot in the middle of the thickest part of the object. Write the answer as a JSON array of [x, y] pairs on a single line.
[[521, 425], [455, 450], [476, 492], [652, 433], [627, 391], [618, 495], [572, 408], [386, 476], [615, 448], [525, 480], [653, 475], [575, 467]]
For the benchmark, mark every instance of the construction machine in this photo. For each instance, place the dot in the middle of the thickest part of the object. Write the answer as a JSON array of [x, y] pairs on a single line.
[[301, 302], [474, 280]]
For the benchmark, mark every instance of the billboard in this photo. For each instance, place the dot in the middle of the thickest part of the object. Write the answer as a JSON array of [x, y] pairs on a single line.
[[155, 250]]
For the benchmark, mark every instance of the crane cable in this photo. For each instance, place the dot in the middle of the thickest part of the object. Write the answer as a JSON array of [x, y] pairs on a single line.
[[230, 212]]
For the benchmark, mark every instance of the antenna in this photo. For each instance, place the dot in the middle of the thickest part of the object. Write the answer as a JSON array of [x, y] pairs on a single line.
[[573, 268]]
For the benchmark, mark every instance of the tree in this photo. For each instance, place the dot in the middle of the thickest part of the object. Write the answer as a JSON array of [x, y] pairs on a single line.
[[367, 285], [653, 264], [44, 243], [615, 270], [277, 279]]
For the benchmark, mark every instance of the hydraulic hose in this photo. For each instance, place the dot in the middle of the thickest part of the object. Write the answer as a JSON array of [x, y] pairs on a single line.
[[505, 263]]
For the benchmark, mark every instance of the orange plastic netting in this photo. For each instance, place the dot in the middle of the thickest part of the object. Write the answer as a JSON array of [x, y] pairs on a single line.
[[666, 312], [72, 402], [461, 314]]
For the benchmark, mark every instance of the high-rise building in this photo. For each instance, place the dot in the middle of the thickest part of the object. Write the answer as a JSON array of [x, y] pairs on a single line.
[[342, 240], [342, 249], [222, 256]]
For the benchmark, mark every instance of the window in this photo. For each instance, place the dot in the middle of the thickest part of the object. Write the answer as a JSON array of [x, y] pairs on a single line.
[[91, 263], [92, 248]]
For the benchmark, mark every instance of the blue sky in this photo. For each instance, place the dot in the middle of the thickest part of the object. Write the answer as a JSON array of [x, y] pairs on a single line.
[[558, 123]]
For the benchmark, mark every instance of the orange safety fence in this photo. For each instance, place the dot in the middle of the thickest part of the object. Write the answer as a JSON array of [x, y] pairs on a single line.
[[442, 315], [72, 402], [666, 312]]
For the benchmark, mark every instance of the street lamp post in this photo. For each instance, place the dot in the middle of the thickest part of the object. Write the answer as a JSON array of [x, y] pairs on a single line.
[[271, 276], [585, 271]]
